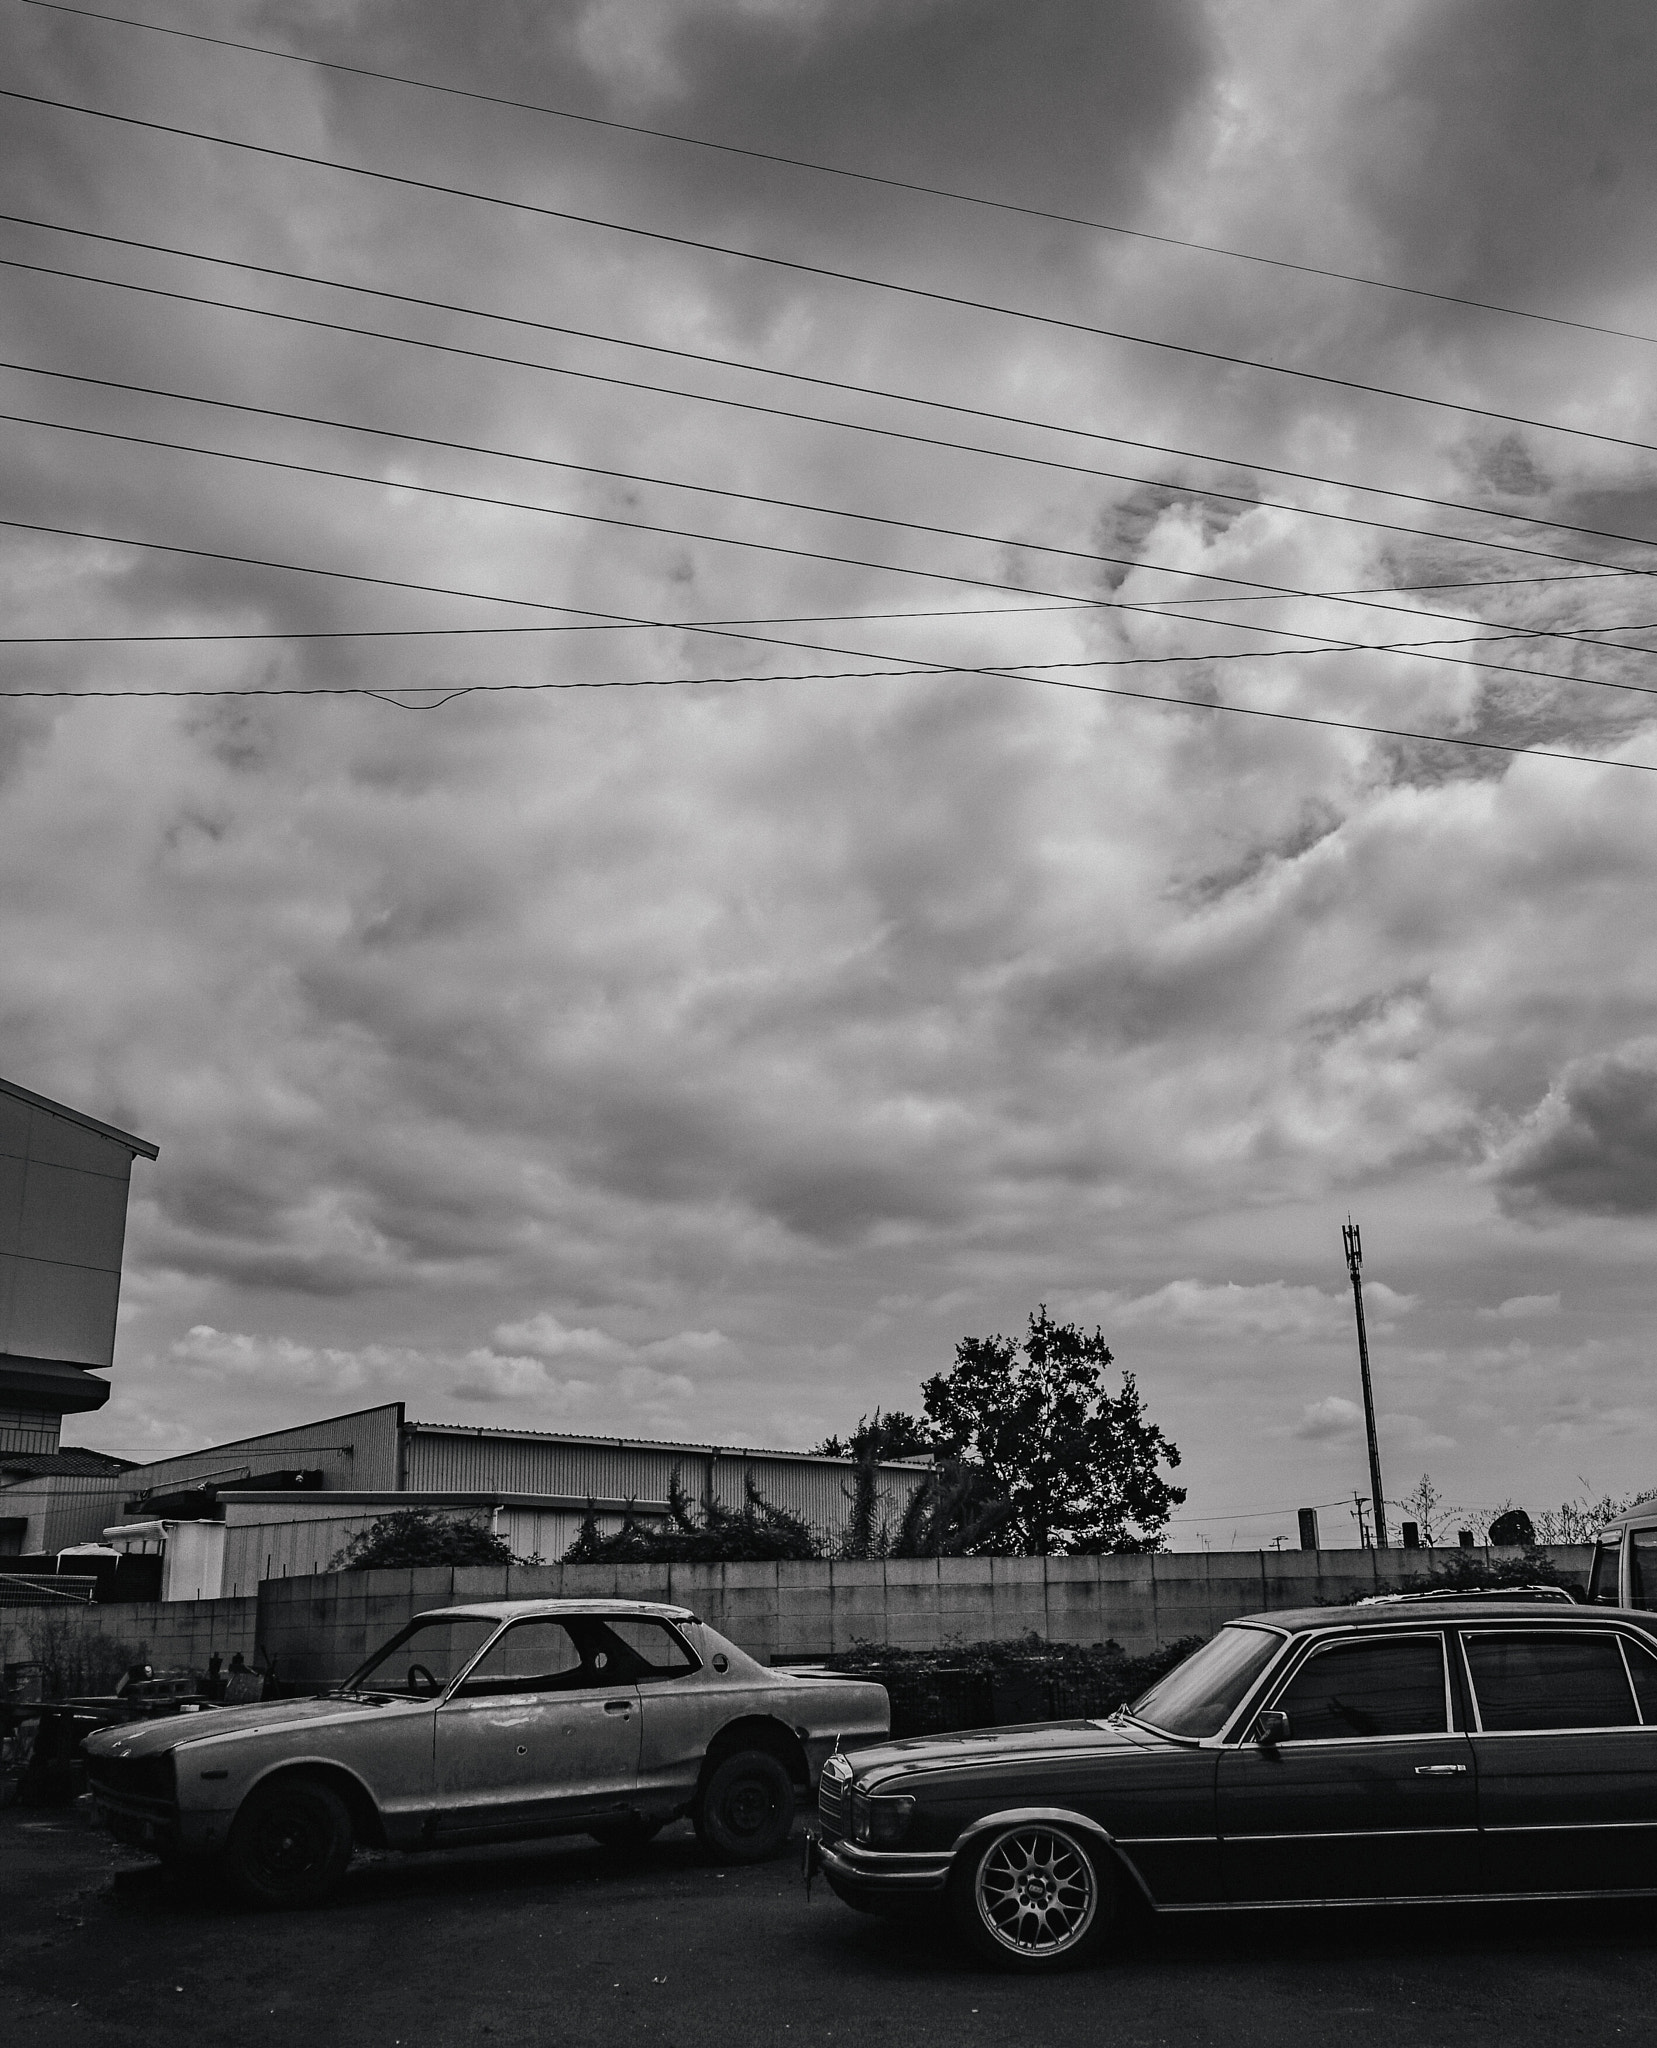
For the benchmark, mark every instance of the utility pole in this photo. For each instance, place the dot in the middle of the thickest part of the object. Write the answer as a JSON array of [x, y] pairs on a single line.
[[1354, 1265]]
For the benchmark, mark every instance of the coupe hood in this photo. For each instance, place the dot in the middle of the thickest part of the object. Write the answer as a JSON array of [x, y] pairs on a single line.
[[155, 1738]]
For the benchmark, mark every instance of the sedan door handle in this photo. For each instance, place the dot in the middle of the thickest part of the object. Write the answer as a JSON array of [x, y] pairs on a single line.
[[618, 1706], [1441, 1770]]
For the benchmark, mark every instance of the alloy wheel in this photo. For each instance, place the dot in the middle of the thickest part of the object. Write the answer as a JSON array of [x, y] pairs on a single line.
[[1036, 1893]]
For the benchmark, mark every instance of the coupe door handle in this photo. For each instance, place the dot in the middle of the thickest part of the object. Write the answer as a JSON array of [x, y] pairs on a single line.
[[1441, 1770], [618, 1706]]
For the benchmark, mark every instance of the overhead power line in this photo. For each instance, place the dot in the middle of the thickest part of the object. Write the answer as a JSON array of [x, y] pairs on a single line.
[[450, 695], [932, 441], [1026, 673], [855, 561], [1247, 584], [1178, 486], [862, 177], [797, 266]]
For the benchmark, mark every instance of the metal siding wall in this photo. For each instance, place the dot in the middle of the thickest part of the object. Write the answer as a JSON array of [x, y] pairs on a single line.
[[816, 1491], [441, 1463], [286, 1550], [64, 1507], [371, 1465]]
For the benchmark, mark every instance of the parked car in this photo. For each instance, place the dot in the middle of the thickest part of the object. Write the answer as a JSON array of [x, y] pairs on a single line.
[[489, 1723], [1409, 1749], [1624, 1571]]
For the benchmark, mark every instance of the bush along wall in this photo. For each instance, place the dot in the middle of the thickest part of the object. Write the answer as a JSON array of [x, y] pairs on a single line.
[[1001, 1684]]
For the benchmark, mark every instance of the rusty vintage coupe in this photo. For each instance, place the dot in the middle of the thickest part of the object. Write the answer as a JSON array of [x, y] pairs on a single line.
[[489, 1723]]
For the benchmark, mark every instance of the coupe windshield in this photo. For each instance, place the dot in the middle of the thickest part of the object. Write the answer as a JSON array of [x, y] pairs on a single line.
[[424, 1658], [1198, 1697]]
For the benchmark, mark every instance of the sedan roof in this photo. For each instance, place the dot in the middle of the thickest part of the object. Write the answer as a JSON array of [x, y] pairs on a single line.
[[515, 1610], [1431, 1609]]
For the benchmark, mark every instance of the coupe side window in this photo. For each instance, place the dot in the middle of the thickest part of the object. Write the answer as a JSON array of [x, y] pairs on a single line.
[[1642, 1568], [657, 1648], [1390, 1686], [1559, 1680], [532, 1656], [421, 1659]]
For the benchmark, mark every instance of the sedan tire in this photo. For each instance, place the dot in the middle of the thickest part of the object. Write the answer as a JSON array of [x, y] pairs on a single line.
[[747, 1807], [290, 1844], [1033, 1897]]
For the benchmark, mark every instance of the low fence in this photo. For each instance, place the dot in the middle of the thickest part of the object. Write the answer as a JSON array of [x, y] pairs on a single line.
[[87, 1648], [318, 1629]]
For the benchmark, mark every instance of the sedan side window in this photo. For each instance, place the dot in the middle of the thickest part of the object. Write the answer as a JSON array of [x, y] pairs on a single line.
[[1564, 1679], [532, 1656], [1387, 1686], [1642, 1668]]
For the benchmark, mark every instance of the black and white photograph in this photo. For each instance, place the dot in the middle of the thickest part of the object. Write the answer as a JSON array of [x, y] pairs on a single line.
[[828, 1022]]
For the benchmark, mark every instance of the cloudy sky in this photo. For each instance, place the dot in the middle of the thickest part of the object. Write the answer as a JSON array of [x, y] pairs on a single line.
[[705, 1060]]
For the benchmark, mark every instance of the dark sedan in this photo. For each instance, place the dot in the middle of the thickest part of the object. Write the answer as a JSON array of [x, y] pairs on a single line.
[[1403, 1750]]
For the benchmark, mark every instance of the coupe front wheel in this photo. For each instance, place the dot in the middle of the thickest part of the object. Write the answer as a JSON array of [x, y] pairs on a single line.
[[290, 1844], [1034, 1897], [746, 1808]]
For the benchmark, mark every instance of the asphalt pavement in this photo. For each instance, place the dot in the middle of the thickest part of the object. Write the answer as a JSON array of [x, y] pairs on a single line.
[[555, 1943]]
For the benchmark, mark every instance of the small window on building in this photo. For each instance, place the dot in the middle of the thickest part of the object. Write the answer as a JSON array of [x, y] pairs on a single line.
[[1563, 1679]]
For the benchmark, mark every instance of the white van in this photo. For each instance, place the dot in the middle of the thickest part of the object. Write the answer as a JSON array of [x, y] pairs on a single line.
[[1625, 1559]]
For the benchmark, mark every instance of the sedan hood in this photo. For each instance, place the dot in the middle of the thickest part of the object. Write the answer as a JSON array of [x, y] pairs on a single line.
[[1030, 1740], [155, 1738]]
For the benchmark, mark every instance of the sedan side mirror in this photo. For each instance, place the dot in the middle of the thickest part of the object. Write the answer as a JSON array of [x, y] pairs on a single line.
[[1271, 1728]]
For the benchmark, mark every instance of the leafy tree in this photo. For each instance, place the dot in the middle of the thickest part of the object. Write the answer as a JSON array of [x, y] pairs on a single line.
[[1580, 1520], [892, 1435], [871, 1443], [755, 1533], [420, 1536], [1077, 1465], [955, 1513]]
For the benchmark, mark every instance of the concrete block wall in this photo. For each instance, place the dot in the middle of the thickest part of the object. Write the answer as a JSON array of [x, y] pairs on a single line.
[[321, 1628], [175, 1635]]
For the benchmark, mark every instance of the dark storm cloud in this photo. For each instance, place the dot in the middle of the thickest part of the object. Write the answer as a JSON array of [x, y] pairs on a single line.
[[1592, 1145], [1505, 150]]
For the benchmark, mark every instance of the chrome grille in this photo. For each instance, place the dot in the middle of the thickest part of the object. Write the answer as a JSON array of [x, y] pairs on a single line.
[[832, 1790]]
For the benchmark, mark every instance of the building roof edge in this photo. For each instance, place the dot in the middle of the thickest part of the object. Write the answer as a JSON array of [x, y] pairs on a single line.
[[137, 1146]]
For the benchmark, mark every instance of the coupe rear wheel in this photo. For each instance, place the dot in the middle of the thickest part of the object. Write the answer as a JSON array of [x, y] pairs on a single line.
[[290, 1844], [746, 1808], [1034, 1897]]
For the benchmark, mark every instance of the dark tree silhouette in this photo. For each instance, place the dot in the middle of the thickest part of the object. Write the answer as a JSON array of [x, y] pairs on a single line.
[[755, 1533], [1077, 1466], [418, 1536]]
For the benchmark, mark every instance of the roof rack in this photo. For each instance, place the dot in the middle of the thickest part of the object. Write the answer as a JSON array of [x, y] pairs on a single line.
[[1472, 1593]]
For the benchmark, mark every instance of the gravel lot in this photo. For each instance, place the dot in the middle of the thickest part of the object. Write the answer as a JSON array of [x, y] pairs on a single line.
[[562, 1942]]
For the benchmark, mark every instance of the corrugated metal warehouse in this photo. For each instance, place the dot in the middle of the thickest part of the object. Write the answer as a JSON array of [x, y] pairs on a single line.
[[325, 1481]]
